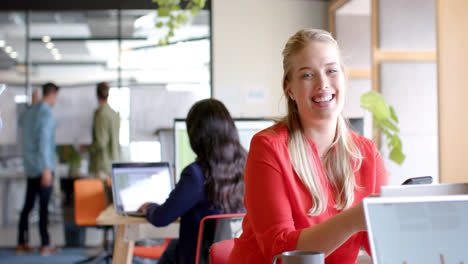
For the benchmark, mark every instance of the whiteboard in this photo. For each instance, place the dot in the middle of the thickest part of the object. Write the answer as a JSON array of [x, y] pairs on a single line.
[[153, 108], [74, 112]]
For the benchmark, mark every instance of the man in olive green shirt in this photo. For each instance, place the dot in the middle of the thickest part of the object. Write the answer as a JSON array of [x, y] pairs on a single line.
[[105, 147]]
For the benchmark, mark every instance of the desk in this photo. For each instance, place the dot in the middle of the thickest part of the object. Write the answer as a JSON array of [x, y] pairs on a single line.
[[7, 178], [130, 229]]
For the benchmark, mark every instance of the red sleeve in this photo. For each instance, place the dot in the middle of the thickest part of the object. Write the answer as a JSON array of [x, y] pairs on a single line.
[[381, 179], [366, 244], [266, 198], [381, 174]]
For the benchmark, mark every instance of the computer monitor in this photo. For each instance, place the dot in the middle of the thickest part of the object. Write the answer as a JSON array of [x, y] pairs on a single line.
[[183, 153], [357, 125]]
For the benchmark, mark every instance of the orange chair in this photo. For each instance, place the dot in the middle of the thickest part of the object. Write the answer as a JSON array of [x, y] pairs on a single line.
[[219, 252], [216, 228], [151, 252], [89, 203]]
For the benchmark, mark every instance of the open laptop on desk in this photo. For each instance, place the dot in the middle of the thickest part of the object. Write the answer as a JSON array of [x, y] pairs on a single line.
[[418, 230], [136, 183]]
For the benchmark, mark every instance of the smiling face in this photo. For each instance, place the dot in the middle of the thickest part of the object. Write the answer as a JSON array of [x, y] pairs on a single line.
[[316, 82]]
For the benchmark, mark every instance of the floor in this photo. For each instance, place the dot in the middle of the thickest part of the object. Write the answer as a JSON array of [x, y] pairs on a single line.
[[92, 236], [66, 255], [78, 250]]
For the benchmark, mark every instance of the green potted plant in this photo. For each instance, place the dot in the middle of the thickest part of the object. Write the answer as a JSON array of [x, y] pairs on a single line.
[[385, 120]]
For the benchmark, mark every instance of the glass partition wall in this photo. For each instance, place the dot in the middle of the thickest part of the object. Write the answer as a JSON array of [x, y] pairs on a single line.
[[391, 49], [150, 84], [76, 49]]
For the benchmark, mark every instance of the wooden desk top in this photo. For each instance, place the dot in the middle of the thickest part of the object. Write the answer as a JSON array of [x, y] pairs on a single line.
[[110, 217]]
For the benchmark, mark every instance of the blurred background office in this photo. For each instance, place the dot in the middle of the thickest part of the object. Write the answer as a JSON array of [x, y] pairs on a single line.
[[414, 55], [150, 86]]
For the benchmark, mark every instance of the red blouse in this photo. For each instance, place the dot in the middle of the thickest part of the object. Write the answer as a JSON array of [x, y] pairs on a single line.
[[277, 201]]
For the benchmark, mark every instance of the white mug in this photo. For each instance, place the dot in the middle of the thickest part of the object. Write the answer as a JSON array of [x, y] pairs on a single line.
[[300, 257]]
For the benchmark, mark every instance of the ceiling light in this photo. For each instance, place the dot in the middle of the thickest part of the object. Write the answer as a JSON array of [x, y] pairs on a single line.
[[21, 98], [50, 45], [45, 39], [54, 51], [58, 57], [13, 55], [2, 43], [8, 49]]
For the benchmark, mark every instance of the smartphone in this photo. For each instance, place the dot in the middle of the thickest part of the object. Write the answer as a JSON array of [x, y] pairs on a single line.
[[418, 180]]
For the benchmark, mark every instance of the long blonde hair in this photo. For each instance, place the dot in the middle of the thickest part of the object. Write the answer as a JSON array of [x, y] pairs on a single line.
[[343, 156]]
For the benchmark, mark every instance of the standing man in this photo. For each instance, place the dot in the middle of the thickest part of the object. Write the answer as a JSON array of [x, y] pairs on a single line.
[[105, 147], [38, 157]]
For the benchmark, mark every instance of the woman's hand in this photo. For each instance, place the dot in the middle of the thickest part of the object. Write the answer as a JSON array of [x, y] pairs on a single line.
[[143, 207], [358, 214], [330, 234]]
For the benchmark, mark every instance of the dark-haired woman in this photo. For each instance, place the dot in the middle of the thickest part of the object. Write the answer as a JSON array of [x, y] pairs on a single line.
[[213, 184]]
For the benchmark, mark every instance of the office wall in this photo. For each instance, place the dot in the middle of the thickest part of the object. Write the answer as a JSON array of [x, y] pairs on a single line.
[[452, 41], [248, 38], [409, 85]]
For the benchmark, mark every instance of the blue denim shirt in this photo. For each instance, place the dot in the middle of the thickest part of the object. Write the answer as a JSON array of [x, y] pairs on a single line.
[[38, 139]]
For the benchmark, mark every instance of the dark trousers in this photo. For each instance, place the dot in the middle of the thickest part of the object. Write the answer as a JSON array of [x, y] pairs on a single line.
[[34, 188]]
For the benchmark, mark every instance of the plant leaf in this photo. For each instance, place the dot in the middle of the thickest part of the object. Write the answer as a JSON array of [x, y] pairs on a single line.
[[393, 114], [159, 24], [375, 103], [194, 10], [395, 142], [397, 156], [375, 122], [385, 131], [387, 123], [164, 12], [384, 118]]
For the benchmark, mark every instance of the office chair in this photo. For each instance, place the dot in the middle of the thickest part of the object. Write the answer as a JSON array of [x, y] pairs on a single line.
[[216, 228], [220, 251], [89, 203], [151, 252]]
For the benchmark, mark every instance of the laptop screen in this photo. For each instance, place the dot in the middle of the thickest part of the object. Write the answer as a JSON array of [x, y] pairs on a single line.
[[412, 230], [134, 184]]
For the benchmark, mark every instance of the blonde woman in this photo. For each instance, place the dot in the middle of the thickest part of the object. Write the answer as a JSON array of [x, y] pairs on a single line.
[[305, 177]]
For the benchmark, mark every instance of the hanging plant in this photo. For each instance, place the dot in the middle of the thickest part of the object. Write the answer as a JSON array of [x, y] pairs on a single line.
[[175, 15], [385, 119]]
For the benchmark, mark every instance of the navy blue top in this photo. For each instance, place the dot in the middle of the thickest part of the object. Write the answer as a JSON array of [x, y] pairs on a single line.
[[188, 201]]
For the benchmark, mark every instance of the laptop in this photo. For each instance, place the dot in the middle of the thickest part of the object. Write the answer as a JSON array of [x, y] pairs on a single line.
[[424, 189], [135, 183], [418, 229]]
